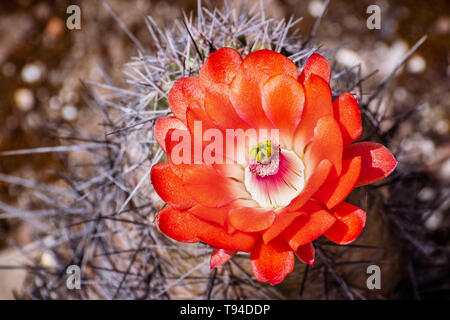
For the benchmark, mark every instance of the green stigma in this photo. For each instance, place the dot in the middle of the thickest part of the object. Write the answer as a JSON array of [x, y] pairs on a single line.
[[262, 152]]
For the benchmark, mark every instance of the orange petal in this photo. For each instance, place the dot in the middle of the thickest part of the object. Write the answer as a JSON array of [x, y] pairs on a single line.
[[218, 237], [209, 188], [251, 219], [263, 64], [163, 125], [219, 215], [220, 67], [282, 100], [219, 108], [335, 191], [233, 171], [196, 113], [306, 253], [185, 227], [313, 183], [376, 161], [220, 256], [211, 140], [317, 105], [169, 187], [349, 224], [347, 114], [246, 87], [179, 160], [318, 65], [326, 144], [284, 219], [273, 261], [309, 227], [178, 225], [183, 93], [216, 215], [245, 95]]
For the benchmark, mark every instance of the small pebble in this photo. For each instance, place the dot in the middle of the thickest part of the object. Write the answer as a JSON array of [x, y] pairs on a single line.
[[442, 25], [434, 221], [69, 113], [48, 260], [315, 8], [38, 282], [55, 28], [445, 170], [348, 58], [426, 194], [442, 126], [417, 64], [427, 147], [31, 73], [24, 99]]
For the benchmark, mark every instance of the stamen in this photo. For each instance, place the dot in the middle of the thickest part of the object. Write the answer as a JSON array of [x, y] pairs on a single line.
[[276, 183], [264, 159]]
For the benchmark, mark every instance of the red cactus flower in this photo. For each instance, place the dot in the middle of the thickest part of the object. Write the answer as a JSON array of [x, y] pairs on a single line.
[[285, 193]]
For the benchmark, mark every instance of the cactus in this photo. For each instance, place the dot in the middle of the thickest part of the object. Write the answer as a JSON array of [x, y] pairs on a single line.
[[101, 214]]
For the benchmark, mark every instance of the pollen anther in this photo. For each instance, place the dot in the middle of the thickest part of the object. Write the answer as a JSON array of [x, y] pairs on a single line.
[[264, 158]]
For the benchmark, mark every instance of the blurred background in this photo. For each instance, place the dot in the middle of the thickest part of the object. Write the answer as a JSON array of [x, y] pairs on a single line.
[[42, 63]]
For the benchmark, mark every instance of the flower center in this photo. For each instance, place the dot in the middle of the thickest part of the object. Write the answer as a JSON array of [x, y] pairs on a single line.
[[274, 176], [264, 159]]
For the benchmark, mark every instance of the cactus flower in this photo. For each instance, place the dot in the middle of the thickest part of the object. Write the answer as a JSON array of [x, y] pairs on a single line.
[[286, 191]]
